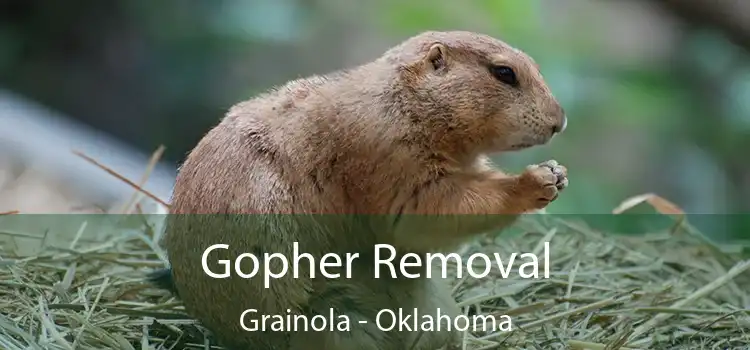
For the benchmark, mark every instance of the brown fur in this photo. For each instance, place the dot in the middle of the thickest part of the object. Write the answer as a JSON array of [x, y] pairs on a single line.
[[405, 134]]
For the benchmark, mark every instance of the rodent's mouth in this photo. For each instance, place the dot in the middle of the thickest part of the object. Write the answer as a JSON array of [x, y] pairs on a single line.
[[526, 141], [520, 146]]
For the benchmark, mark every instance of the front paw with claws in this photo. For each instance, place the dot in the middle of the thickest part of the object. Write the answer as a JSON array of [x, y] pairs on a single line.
[[542, 183]]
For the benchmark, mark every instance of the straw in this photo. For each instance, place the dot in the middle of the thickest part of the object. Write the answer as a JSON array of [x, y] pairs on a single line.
[[605, 292]]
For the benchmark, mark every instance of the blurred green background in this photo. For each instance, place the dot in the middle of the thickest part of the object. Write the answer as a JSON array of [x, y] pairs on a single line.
[[657, 92]]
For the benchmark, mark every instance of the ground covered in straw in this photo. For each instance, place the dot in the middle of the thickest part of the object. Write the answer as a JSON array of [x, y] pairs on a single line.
[[666, 290]]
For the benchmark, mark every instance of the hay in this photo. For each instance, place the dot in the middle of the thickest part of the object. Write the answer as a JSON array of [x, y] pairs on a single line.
[[668, 290], [659, 291]]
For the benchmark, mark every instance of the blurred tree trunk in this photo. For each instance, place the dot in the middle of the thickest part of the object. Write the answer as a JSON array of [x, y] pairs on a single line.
[[731, 17]]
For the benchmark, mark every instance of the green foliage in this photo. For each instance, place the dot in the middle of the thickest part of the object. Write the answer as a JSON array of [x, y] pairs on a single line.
[[646, 97], [514, 19], [413, 16]]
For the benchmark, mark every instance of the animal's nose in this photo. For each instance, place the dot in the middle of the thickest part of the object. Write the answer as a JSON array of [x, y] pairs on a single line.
[[560, 127]]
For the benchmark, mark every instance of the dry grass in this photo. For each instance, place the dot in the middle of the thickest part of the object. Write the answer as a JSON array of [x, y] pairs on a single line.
[[660, 291], [669, 290]]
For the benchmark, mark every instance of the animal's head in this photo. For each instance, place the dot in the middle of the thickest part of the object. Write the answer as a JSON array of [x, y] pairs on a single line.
[[478, 91]]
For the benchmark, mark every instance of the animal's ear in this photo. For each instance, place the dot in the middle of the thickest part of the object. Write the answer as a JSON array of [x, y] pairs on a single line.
[[436, 57]]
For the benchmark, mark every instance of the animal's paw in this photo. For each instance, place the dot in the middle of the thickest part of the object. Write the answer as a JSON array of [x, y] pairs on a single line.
[[542, 183]]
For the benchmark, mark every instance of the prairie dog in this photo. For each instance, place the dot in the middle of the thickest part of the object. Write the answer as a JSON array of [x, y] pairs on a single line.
[[404, 135]]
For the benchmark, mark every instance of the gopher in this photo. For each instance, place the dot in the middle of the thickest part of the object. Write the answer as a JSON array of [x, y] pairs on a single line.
[[394, 151]]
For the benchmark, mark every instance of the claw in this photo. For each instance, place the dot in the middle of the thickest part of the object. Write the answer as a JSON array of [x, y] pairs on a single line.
[[551, 163]]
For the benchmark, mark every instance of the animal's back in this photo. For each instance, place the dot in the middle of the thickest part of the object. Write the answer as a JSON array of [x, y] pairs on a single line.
[[247, 184]]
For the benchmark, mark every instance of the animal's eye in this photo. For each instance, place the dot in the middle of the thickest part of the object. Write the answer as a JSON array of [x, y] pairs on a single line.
[[504, 74]]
